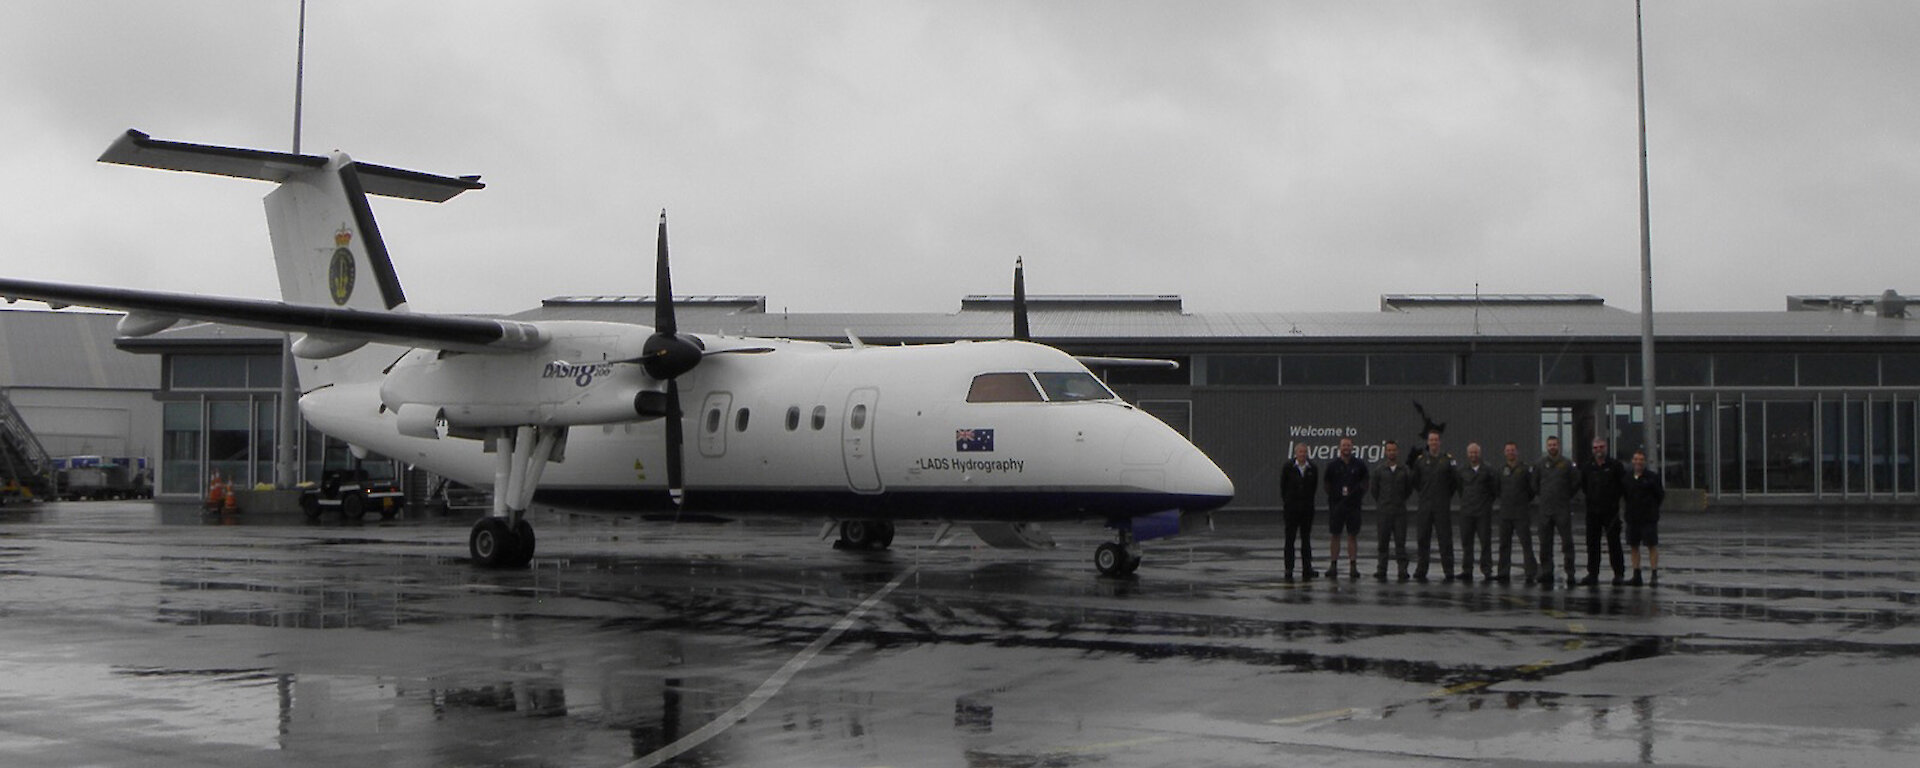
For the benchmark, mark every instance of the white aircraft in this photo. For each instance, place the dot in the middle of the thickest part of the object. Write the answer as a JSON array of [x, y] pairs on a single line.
[[1000, 435]]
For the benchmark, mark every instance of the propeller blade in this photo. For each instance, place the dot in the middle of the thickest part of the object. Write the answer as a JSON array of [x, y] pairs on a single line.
[[663, 320], [676, 479], [1020, 331]]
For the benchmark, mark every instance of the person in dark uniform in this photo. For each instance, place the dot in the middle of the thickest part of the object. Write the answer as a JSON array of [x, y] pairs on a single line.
[[1515, 514], [1603, 480], [1299, 481], [1435, 483], [1555, 482], [1478, 489], [1346, 490], [1644, 493], [1390, 483]]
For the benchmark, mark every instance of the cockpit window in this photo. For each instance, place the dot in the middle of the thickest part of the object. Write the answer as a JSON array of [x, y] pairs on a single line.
[[1072, 386], [1003, 388]]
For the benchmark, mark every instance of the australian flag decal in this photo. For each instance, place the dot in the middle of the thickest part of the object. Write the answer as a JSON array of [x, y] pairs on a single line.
[[973, 440]]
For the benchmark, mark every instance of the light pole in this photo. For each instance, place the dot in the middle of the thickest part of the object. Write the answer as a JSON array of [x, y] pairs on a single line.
[[1652, 421]]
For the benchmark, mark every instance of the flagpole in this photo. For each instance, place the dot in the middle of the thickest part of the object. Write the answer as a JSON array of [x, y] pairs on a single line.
[[1652, 420], [287, 454]]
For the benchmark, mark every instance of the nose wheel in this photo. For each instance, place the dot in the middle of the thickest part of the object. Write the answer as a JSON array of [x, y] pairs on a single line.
[[1117, 558]]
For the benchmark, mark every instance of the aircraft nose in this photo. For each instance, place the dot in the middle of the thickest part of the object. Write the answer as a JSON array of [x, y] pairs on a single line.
[[1192, 474]]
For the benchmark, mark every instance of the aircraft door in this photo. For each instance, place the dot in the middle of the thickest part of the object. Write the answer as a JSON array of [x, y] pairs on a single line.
[[712, 424], [856, 440]]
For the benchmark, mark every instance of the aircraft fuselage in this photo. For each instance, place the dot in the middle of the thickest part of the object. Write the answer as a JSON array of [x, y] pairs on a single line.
[[876, 432]]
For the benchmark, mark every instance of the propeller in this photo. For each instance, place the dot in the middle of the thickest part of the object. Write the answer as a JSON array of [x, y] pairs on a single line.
[[1020, 331], [665, 356]]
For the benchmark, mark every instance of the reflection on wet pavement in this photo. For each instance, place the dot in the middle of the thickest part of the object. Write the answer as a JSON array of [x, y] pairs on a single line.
[[138, 636]]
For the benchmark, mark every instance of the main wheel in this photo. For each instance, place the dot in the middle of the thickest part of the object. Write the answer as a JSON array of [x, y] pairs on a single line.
[[523, 539], [492, 543], [858, 534], [310, 506]]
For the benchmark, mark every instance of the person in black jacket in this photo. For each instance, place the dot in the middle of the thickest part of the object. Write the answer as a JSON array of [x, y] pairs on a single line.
[[1299, 480], [1644, 493], [1346, 489], [1604, 481]]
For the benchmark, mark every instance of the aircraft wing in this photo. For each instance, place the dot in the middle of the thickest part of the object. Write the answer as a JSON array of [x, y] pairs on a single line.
[[154, 311]]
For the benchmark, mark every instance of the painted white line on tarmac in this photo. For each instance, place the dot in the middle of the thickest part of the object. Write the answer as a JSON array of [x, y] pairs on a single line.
[[772, 686]]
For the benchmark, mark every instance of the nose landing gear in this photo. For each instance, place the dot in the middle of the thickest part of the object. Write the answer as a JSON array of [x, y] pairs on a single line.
[[1119, 558]]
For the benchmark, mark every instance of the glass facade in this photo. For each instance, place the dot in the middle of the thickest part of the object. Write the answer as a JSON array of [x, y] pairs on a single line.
[[1323, 370], [1410, 369], [1243, 370], [1493, 368], [1733, 444], [180, 448]]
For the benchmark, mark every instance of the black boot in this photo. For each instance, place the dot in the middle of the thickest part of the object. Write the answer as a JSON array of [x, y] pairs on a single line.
[[1636, 579]]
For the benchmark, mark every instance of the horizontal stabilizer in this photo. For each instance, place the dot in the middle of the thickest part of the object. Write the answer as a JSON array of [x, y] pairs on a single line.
[[136, 148]]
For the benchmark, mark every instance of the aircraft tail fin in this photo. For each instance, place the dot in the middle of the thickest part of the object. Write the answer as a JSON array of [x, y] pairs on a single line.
[[326, 245]]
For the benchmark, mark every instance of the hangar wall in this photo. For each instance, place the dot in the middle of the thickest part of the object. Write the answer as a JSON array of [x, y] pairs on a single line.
[[91, 422], [1250, 432]]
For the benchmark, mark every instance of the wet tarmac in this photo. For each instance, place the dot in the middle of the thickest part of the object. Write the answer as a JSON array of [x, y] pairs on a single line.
[[132, 635]]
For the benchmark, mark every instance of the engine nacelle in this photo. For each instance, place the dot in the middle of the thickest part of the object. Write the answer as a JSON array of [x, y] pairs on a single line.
[[420, 420], [575, 380]]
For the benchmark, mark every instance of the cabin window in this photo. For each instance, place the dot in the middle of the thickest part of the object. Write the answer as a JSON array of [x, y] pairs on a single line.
[[1003, 388], [819, 417], [740, 420], [793, 418], [713, 421], [1072, 386], [859, 418]]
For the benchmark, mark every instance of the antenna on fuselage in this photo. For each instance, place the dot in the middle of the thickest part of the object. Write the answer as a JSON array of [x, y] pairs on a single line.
[[1020, 330]]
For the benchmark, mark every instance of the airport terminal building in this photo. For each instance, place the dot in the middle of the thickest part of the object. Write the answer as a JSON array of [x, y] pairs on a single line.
[[1816, 402]]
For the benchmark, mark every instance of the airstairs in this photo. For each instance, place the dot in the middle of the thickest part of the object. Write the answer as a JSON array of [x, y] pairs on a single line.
[[26, 471]]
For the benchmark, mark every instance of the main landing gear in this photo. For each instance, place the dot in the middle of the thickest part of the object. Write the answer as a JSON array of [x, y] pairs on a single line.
[[1118, 558], [504, 539], [864, 534]]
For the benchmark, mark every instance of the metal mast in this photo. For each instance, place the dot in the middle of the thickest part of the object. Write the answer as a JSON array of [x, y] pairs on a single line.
[[287, 453], [1652, 420]]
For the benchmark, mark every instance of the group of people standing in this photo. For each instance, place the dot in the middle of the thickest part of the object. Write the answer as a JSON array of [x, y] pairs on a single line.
[[1516, 498]]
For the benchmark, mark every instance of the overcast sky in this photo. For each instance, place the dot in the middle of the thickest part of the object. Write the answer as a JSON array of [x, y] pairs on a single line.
[[895, 156]]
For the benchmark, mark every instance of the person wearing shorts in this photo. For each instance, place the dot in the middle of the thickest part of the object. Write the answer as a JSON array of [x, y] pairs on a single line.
[[1644, 492], [1346, 479]]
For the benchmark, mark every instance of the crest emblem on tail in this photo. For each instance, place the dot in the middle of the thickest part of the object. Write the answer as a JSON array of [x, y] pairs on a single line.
[[340, 272]]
